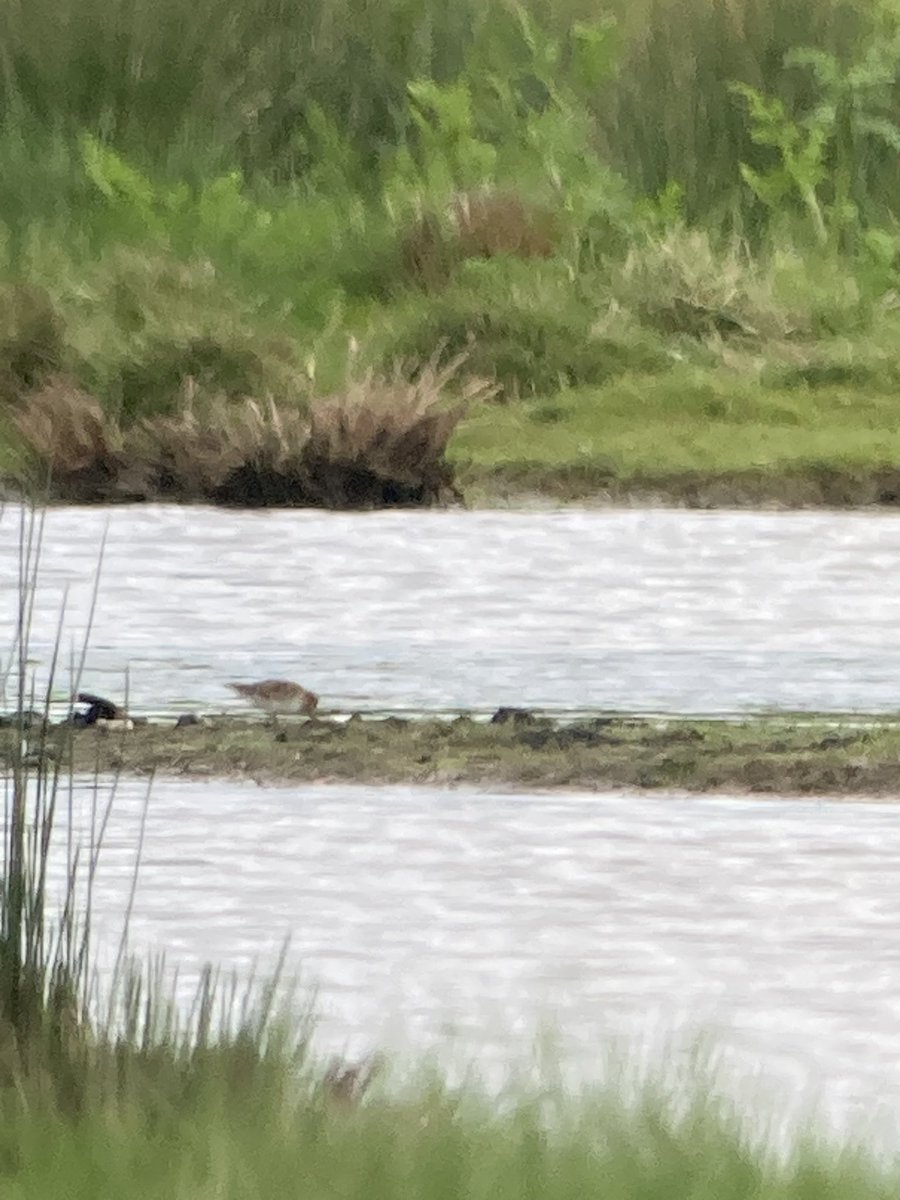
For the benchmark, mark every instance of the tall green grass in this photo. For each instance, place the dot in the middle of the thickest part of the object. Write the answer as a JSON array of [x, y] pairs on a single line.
[[288, 91], [249, 194]]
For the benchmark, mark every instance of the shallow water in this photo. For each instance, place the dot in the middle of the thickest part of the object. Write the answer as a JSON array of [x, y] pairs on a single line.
[[565, 610], [425, 914]]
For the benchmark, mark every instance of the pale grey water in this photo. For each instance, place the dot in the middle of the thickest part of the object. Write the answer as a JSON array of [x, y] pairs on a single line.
[[641, 610], [427, 913], [424, 914]]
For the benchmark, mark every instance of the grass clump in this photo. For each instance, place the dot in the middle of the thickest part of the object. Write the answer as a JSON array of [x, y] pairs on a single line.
[[32, 340], [75, 449], [214, 449], [380, 441], [533, 334], [384, 440], [679, 283]]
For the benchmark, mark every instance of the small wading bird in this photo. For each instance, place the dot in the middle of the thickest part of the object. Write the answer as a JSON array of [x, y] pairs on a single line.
[[278, 697]]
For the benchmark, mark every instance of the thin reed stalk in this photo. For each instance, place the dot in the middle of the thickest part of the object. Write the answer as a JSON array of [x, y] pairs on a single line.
[[63, 1031]]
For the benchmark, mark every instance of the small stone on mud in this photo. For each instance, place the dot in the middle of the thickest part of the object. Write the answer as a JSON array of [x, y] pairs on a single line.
[[585, 733], [537, 739], [312, 728], [513, 716]]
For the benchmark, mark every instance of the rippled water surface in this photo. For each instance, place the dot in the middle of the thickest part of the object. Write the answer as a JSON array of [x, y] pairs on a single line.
[[423, 912], [639, 610]]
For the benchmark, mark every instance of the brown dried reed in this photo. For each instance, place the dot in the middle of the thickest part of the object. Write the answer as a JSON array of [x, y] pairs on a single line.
[[223, 451], [482, 224], [74, 444], [380, 441], [383, 440]]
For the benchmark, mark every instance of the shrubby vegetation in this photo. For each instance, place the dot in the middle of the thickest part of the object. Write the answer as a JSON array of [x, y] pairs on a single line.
[[257, 203]]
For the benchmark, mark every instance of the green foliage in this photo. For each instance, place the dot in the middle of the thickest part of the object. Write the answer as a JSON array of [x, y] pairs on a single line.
[[834, 141], [801, 152], [518, 113], [154, 380], [524, 329], [32, 340]]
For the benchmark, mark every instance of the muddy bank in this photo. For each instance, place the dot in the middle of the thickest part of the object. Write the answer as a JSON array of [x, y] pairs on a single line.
[[356, 485], [812, 757], [814, 486]]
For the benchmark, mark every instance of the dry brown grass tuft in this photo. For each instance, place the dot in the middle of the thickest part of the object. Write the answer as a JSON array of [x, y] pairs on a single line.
[[483, 224], [383, 440], [492, 223], [76, 447], [243, 452]]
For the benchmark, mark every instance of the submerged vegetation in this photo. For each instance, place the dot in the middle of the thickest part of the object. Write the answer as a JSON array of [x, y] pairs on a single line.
[[660, 246]]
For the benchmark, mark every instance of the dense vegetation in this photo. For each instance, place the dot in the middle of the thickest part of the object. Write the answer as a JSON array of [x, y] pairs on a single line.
[[666, 233]]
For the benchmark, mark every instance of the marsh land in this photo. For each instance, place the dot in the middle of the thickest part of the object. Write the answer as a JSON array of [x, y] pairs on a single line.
[[346, 255], [465, 268], [778, 756]]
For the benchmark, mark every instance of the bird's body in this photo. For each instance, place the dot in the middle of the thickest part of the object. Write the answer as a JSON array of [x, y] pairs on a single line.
[[101, 713], [278, 697]]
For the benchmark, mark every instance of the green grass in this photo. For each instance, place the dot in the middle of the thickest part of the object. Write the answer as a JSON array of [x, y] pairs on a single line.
[[428, 1145], [261, 197], [690, 420]]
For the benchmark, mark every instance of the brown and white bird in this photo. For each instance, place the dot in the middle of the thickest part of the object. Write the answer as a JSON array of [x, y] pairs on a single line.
[[278, 697]]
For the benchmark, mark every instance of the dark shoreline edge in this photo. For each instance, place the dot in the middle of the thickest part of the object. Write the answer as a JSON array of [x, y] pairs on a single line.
[[813, 755], [801, 487]]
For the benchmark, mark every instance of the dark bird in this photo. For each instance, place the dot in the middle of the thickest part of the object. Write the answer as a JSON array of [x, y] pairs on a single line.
[[99, 709]]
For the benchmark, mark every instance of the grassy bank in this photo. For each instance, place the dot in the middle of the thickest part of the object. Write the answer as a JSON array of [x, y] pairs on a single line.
[[194, 1139], [664, 242], [778, 756]]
